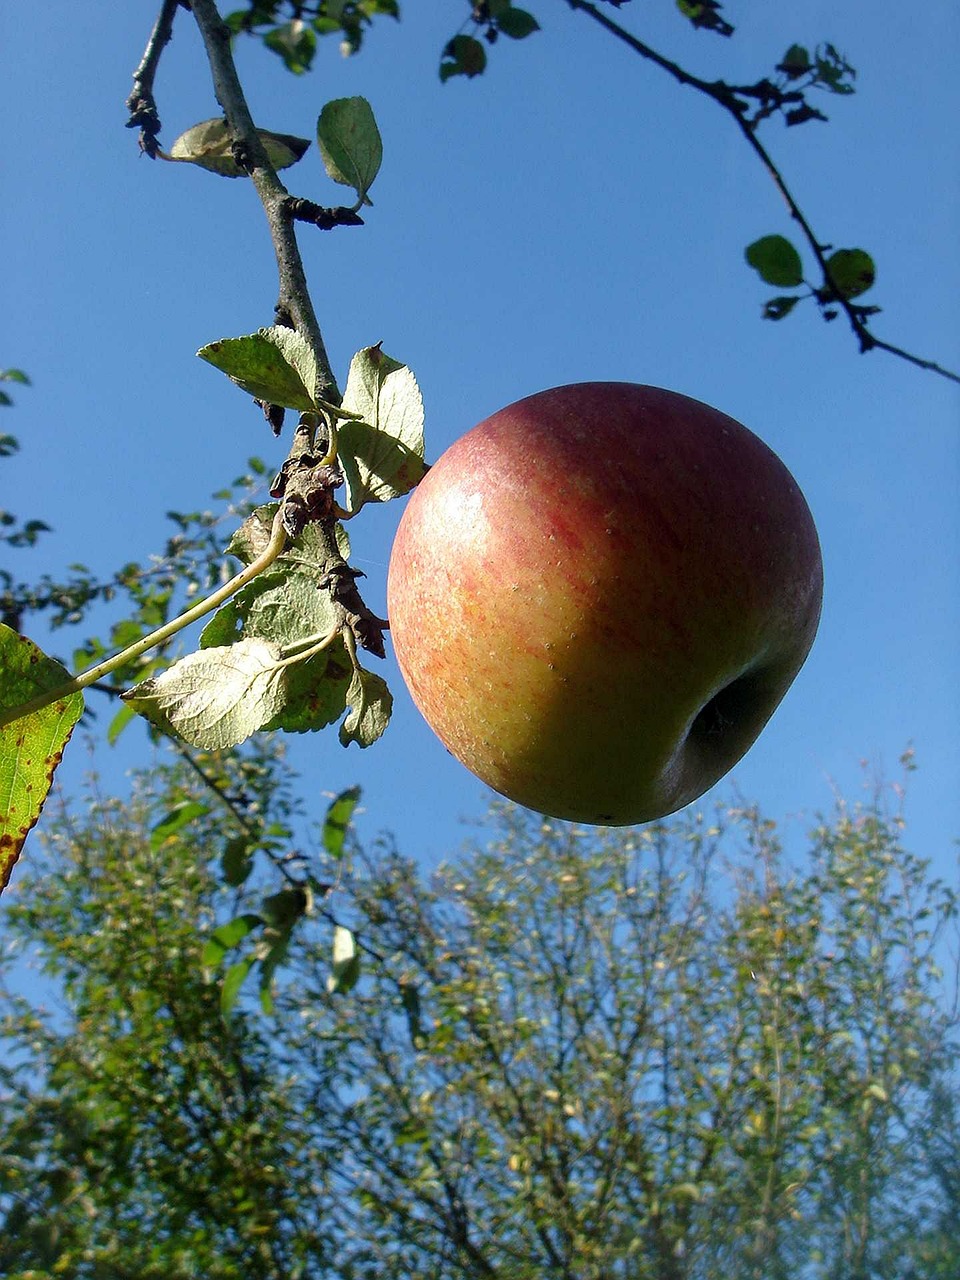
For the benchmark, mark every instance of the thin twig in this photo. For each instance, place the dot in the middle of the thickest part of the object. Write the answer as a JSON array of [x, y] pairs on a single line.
[[726, 97], [141, 104]]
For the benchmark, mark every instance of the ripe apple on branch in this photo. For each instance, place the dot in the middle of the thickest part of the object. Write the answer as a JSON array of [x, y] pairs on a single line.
[[599, 596]]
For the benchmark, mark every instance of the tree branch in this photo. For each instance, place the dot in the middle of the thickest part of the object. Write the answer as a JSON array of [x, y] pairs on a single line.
[[726, 97], [294, 307]]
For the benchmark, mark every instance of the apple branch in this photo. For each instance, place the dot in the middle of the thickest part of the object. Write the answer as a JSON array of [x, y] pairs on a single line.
[[727, 97], [294, 306]]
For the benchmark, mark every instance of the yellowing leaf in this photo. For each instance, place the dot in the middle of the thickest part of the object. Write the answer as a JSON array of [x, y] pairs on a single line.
[[31, 747], [210, 146], [217, 697], [381, 454]]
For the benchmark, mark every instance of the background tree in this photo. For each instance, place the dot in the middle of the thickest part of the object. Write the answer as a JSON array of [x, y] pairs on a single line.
[[667, 1052], [143, 1135]]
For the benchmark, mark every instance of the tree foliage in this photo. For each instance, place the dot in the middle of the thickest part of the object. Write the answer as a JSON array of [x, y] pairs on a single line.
[[664, 1053]]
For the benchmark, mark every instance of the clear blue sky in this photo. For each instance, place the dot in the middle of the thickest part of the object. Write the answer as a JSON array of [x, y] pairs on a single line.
[[571, 215]]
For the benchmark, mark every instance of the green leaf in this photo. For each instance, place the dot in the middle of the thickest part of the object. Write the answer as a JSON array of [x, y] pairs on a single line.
[[346, 962], [284, 605], [350, 144], [268, 966], [14, 375], [852, 272], [227, 937], [236, 861], [216, 698], [210, 146], [463, 56], [172, 823], [119, 722], [517, 23], [275, 365], [281, 605], [295, 43], [777, 308], [283, 909], [381, 454], [31, 747], [316, 692], [795, 62], [370, 703], [233, 980], [337, 822], [777, 261]]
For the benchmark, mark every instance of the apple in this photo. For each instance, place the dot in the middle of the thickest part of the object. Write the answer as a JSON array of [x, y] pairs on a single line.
[[599, 596]]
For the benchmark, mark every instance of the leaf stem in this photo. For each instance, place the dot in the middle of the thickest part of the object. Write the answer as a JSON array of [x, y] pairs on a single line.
[[276, 544]]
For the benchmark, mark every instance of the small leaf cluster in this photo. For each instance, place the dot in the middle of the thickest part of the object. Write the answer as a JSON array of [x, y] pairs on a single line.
[[27, 533], [796, 74], [848, 273], [826, 68], [266, 934], [347, 136], [705, 15], [464, 54], [290, 28], [282, 653]]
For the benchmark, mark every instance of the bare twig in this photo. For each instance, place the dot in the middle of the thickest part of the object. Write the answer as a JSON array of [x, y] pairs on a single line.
[[141, 103], [727, 97]]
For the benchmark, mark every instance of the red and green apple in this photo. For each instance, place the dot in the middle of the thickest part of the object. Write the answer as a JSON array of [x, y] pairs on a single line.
[[599, 596]]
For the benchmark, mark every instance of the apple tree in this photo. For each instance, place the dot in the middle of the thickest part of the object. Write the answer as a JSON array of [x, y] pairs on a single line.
[[287, 633]]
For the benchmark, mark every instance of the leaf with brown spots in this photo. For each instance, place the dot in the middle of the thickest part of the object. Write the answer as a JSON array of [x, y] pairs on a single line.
[[31, 747]]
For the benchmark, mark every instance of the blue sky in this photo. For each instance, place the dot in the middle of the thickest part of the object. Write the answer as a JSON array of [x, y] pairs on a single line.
[[570, 215]]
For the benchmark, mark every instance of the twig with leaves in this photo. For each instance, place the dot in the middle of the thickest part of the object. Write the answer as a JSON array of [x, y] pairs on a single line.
[[282, 651], [847, 273]]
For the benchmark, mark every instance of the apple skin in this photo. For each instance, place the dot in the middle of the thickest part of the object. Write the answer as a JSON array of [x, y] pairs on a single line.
[[600, 594]]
